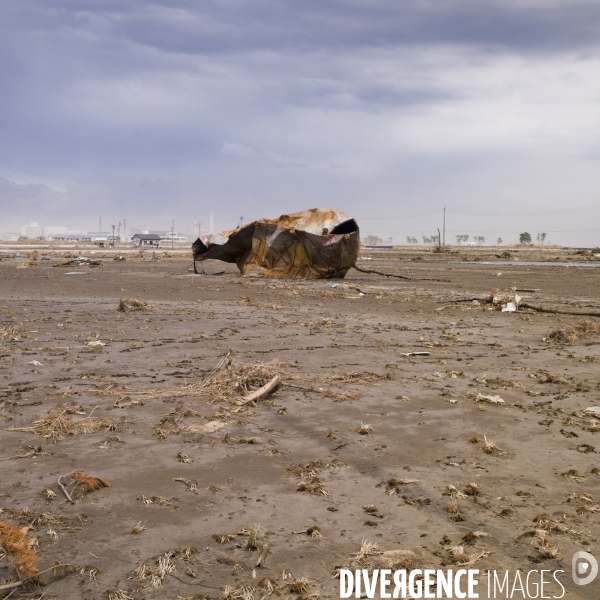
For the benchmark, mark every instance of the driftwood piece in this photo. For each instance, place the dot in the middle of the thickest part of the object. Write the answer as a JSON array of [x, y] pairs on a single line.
[[557, 311], [372, 271], [64, 490], [471, 298], [262, 556], [263, 391]]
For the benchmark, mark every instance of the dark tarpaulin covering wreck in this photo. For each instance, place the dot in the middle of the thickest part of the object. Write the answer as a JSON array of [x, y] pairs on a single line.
[[321, 243]]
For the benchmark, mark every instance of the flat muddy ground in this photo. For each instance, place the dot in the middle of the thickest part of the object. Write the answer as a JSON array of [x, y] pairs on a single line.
[[361, 444]]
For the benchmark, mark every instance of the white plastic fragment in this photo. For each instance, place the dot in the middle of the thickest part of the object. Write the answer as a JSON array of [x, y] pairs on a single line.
[[510, 307], [96, 343], [593, 410], [37, 363]]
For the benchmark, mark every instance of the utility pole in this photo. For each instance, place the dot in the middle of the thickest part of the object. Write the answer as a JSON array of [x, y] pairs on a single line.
[[172, 232], [444, 229], [113, 237]]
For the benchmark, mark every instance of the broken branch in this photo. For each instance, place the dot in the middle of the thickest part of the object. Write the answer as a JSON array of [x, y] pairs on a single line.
[[557, 311], [64, 490], [263, 391], [381, 273]]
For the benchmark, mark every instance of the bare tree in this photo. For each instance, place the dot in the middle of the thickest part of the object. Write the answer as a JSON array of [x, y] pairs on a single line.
[[499, 241], [462, 238], [540, 238]]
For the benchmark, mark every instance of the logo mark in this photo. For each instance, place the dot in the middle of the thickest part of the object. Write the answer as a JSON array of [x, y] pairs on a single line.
[[585, 568]]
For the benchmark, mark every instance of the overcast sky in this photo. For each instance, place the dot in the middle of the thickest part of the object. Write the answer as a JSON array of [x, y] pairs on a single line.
[[157, 110]]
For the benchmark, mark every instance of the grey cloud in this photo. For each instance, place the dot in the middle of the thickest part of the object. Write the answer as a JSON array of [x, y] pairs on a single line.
[[163, 108]]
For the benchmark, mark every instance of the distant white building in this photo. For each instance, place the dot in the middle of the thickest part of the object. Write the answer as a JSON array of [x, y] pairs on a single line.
[[173, 237], [33, 230]]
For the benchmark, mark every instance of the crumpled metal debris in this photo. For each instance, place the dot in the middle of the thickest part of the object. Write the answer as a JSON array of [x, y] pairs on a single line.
[[320, 243]]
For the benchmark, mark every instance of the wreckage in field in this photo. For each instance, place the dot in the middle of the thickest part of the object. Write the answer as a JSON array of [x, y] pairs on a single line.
[[321, 243]]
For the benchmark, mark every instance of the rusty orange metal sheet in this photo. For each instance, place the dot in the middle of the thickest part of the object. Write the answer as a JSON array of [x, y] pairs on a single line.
[[321, 243]]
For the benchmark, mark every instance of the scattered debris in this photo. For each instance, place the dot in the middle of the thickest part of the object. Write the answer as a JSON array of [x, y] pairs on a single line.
[[133, 305], [489, 399]]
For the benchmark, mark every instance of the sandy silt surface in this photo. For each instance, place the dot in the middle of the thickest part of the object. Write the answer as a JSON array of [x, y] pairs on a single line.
[[361, 446]]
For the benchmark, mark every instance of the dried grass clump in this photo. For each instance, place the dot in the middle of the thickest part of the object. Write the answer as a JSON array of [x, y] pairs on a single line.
[[299, 586], [364, 429], [132, 305], [79, 483], [547, 377], [371, 556], [56, 424], [160, 500], [183, 458], [12, 333], [543, 545], [266, 583], [34, 520], [308, 473], [314, 532], [156, 573], [588, 509], [573, 474], [138, 528], [459, 557], [472, 536], [118, 594], [354, 378], [472, 489], [474, 440], [20, 549], [227, 382], [490, 447], [191, 485], [580, 497], [581, 330]]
